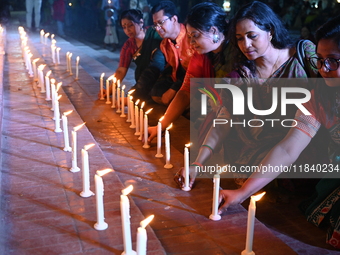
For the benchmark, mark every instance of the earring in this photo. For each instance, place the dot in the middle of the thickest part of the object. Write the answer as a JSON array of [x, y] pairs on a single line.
[[270, 37], [216, 38]]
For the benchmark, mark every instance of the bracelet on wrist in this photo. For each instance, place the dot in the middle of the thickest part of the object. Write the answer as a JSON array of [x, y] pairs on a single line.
[[210, 149]]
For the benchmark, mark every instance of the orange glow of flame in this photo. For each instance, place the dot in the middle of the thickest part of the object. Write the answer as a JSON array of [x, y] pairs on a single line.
[[188, 145], [131, 91], [101, 77], [148, 111], [170, 126], [142, 105], [258, 197], [68, 112], [145, 222], [79, 127], [127, 190], [137, 102], [89, 146], [161, 118], [103, 172], [48, 73]]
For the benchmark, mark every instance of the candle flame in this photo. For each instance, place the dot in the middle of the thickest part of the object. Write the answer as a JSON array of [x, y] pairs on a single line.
[[123, 87], [47, 34], [137, 102], [78, 127], [127, 190], [41, 67], [58, 86], [101, 77], [70, 55], [78, 58], [161, 118], [52, 36], [103, 172], [48, 73], [52, 80], [89, 146], [42, 32], [170, 126], [148, 111], [188, 145], [35, 60], [67, 53], [110, 78], [59, 97], [142, 105], [53, 40], [258, 197], [58, 49], [68, 112], [146, 221], [114, 78], [131, 91], [118, 83]]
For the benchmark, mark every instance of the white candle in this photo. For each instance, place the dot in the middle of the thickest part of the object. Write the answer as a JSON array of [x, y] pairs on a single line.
[[118, 97], [70, 63], [77, 67], [141, 121], [114, 80], [142, 236], [167, 165], [108, 91], [129, 99], [48, 86], [101, 87], [46, 36], [136, 117], [146, 126], [86, 171], [100, 224], [53, 48], [250, 224], [125, 216], [123, 103], [42, 36], [214, 214], [186, 168], [41, 78], [159, 139], [53, 93], [58, 55], [65, 131], [75, 167], [132, 113], [34, 64], [67, 62], [57, 115]]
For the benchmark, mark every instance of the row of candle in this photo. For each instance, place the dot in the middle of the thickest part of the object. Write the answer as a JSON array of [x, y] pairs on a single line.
[[141, 234], [99, 187]]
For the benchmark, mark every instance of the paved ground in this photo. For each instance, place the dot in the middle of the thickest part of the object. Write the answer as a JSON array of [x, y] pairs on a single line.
[[41, 210]]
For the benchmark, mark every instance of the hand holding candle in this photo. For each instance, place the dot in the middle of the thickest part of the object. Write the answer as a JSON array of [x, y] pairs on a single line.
[[250, 224], [142, 236], [146, 126], [86, 171]]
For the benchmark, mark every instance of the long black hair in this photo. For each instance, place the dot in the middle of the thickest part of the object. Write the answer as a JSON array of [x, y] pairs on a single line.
[[205, 15], [325, 95]]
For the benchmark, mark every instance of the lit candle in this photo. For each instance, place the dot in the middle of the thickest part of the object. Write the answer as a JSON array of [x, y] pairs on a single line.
[[57, 115], [41, 78], [48, 86], [186, 168], [136, 117], [146, 126], [53, 93], [118, 97], [102, 87], [65, 128], [142, 237], [141, 121], [125, 216], [29, 64], [53, 48], [167, 165], [54, 98], [42, 36], [159, 139], [34, 64], [108, 91], [75, 167], [67, 62], [86, 171], [70, 63], [114, 80], [250, 224], [46, 36], [132, 113], [77, 67], [129, 99], [123, 103], [58, 55], [214, 214], [100, 224]]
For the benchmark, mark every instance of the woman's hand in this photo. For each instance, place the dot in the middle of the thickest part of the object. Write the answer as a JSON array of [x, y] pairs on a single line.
[[230, 197], [180, 176], [152, 133]]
